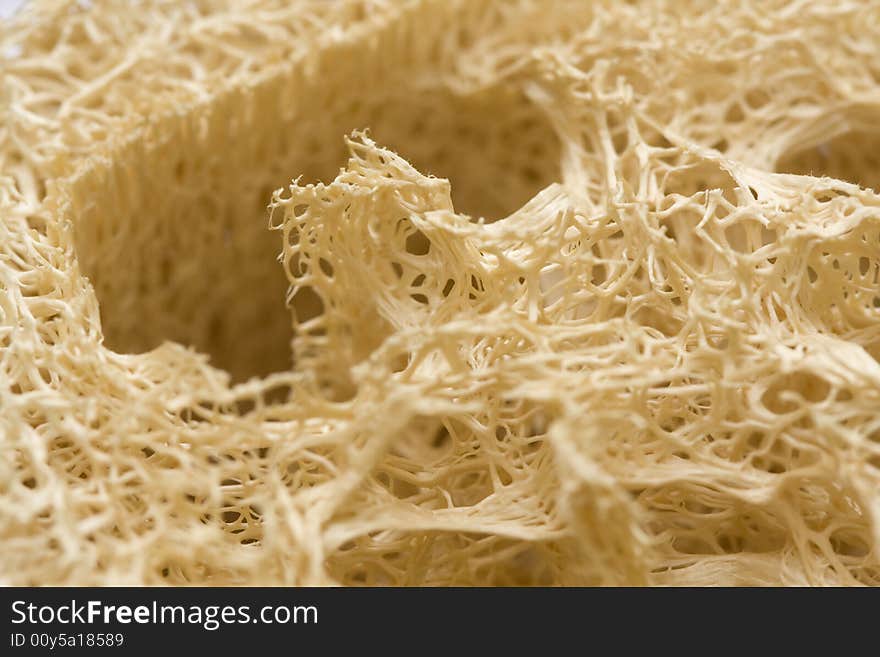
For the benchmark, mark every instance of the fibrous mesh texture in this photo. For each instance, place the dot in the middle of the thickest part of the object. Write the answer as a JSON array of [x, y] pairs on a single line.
[[595, 300]]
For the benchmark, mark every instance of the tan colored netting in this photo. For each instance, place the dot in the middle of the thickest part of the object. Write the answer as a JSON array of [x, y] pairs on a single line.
[[593, 299]]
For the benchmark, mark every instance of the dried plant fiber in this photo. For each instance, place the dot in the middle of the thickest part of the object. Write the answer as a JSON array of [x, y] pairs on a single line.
[[440, 292]]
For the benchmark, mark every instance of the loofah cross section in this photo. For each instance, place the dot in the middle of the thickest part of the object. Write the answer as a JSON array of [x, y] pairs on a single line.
[[561, 293]]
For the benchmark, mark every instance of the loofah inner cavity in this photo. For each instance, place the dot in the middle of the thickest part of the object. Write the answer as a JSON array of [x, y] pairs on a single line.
[[541, 295], [180, 251]]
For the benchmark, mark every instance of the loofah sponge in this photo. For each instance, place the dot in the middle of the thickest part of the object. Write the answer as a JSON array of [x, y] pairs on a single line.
[[561, 293]]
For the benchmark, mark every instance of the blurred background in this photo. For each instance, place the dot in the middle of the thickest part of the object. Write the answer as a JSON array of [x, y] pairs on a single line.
[[8, 7]]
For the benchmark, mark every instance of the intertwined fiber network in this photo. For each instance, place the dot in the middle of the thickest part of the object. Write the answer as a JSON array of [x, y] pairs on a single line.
[[440, 292]]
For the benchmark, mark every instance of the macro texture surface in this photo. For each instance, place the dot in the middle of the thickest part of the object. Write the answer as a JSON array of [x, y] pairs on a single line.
[[440, 292]]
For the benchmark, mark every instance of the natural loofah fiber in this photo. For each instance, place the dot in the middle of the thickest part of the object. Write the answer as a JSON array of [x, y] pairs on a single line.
[[561, 293]]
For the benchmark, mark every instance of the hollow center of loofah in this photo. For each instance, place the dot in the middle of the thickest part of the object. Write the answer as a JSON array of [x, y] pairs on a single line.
[[180, 248]]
